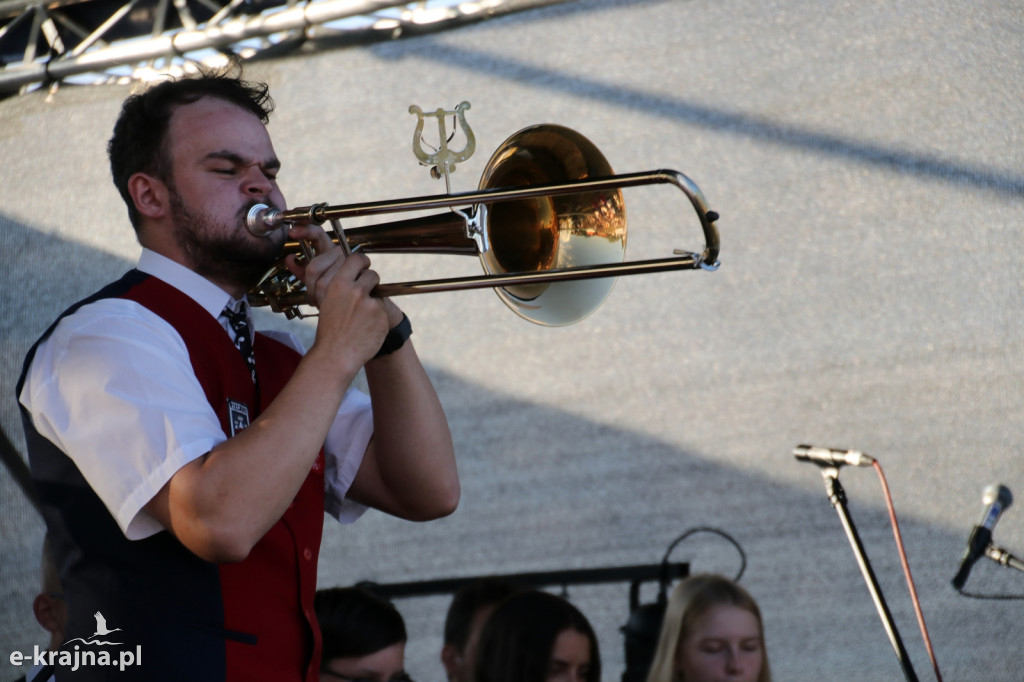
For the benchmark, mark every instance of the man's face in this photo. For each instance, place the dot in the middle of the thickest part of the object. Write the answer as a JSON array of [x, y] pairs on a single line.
[[221, 163]]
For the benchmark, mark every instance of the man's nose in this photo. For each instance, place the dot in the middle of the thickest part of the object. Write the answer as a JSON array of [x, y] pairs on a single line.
[[256, 183]]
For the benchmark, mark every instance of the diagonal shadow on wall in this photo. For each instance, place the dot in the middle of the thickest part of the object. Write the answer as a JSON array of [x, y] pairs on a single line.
[[715, 119]]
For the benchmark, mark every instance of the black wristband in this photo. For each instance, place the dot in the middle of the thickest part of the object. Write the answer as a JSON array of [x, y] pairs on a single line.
[[396, 337]]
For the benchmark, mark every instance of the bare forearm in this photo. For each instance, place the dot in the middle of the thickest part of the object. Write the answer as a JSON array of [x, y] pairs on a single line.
[[412, 445]]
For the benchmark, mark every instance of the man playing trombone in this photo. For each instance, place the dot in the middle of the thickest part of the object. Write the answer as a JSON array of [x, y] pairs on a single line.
[[183, 464]]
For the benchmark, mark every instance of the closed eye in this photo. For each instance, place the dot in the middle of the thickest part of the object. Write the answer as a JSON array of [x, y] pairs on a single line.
[[235, 162]]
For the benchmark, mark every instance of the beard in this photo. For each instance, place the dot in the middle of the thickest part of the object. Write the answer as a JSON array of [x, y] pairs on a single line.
[[230, 256]]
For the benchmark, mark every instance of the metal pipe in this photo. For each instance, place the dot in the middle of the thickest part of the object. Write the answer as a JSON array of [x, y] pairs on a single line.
[[130, 52], [272, 218]]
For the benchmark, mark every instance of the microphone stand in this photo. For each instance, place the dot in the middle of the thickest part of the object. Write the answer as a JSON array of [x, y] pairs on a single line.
[[837, 496]]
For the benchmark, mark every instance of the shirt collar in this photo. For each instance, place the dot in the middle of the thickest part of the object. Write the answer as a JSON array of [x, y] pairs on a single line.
[[201, 290]]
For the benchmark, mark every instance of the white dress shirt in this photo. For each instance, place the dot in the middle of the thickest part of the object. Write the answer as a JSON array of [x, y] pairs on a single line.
[[113, 387]]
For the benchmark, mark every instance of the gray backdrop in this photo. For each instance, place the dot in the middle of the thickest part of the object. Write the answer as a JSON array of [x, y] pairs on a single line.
[[866, 160]]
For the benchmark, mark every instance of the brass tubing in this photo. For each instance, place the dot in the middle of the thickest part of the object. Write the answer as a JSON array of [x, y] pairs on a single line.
[[644, 267], [272, 219], [430, 286], [442, 233]]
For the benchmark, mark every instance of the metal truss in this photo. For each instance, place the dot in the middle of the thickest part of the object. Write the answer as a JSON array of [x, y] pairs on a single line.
[[46, 42]]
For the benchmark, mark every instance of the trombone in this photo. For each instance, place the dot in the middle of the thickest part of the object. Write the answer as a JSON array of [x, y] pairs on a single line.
[[548, 223]]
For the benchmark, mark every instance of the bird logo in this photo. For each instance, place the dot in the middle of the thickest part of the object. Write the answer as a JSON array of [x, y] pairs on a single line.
[[101, 626], [101, 631]]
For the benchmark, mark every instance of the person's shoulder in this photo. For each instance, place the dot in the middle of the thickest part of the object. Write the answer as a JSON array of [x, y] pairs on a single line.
[[108, 315], [102, 333]]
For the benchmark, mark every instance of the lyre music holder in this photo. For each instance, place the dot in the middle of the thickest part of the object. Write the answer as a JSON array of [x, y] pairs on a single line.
[[442, 161]]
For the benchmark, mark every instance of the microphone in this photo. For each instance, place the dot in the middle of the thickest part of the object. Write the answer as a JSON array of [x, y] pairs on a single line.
[[828, 457], [998, 498]]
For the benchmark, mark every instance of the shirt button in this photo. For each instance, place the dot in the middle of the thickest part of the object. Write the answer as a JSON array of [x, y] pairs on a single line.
[[307, 553]]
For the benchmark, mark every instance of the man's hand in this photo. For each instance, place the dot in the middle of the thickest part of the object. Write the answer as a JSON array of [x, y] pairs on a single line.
[[352, 321]]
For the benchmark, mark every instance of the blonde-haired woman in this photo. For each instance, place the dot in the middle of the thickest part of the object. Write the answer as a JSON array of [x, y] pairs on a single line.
[[712, 632]]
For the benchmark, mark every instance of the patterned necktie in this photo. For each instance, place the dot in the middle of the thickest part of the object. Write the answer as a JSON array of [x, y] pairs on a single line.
[[243, 338]]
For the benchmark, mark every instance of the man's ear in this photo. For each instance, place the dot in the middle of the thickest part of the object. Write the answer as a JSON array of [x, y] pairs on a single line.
[[150, 195], [45, 610], [450, 658]]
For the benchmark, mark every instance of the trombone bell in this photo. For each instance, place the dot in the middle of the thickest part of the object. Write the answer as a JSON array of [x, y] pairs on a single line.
[[551, 232]]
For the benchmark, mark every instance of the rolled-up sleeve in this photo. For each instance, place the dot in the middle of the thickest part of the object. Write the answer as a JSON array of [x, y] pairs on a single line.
[[113, 387], [346, 444]]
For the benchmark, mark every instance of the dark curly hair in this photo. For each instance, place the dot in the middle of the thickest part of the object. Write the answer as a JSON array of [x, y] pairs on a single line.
[[138, 144]]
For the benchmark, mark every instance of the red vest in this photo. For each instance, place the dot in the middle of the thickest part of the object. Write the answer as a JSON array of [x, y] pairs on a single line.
[[270, 593]]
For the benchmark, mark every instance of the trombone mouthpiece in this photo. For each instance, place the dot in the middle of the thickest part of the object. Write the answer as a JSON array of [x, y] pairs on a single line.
[[262, 220]]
